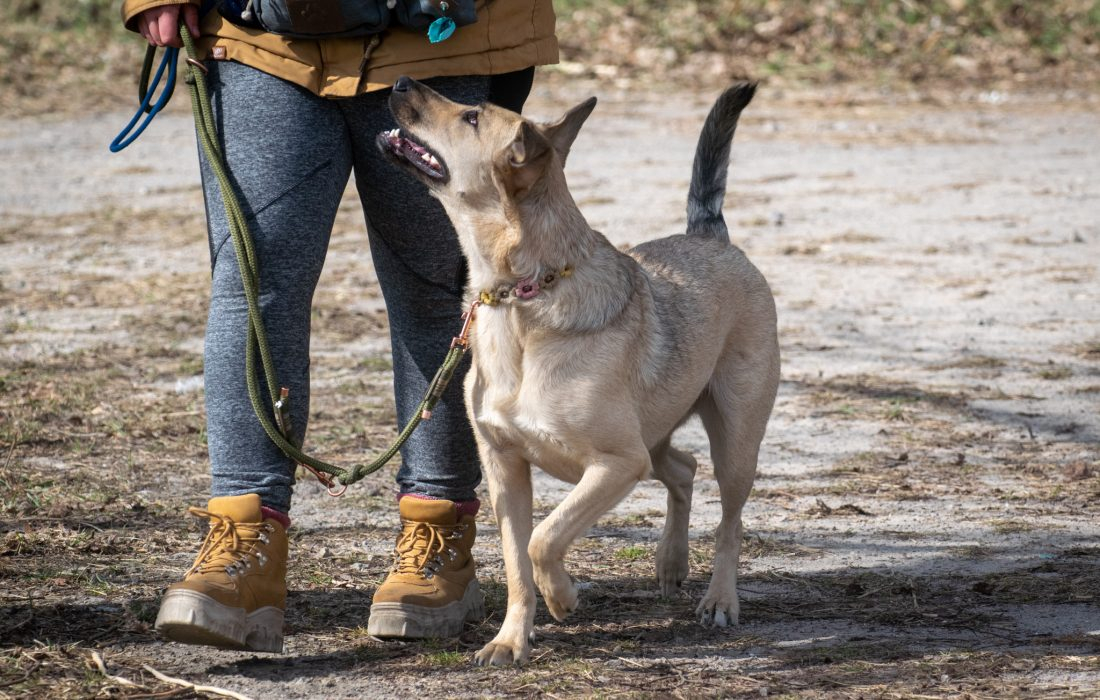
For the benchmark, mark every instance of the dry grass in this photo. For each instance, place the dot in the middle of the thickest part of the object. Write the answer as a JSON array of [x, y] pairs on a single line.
[[61, 56], [968, 42], [78, 551]]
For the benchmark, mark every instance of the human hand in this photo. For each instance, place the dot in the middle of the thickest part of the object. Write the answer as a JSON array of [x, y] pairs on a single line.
[[160, 25]]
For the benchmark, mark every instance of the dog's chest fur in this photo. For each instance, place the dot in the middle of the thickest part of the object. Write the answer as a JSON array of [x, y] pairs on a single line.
[[515, 401], [564, 378]]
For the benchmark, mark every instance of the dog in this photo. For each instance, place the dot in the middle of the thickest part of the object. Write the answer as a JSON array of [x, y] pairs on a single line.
[[585, 358]]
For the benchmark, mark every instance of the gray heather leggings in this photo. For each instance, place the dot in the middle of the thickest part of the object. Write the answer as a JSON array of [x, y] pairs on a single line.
[[290, 154]]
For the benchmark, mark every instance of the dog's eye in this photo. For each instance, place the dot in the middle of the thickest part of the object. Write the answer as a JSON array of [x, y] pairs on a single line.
[[471, 117]]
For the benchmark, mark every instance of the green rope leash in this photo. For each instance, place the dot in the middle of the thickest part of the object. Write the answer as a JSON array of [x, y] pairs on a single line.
[[279, 430]]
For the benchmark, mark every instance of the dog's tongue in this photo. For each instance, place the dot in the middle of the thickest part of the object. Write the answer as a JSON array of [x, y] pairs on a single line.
[[415, 152]]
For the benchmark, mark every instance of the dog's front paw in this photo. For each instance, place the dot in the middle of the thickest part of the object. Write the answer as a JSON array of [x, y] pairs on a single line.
[[562, 602], [559, 592], [718, 612], [557, 588], [502, 653]]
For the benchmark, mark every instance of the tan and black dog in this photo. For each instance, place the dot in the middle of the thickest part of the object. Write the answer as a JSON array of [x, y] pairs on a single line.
[[586, 358]]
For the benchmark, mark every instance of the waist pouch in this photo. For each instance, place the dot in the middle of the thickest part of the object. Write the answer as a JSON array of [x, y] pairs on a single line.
[[321, 19]]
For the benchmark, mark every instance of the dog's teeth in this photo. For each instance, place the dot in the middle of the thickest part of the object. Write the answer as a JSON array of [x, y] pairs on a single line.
[[427, 158], [433, 162]]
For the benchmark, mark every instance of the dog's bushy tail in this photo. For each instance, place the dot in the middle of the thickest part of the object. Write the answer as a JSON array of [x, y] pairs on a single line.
[[712, 159]]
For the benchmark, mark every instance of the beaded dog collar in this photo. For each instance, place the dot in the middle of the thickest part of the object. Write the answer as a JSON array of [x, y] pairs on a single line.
[[527, 288]]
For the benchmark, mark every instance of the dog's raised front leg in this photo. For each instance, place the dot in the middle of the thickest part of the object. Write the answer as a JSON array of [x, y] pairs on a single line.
[[602, 485], [676, 470], [509, 478]]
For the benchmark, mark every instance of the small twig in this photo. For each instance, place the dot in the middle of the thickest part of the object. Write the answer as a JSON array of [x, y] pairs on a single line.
[[71, 434], [631, 662], [196, 688], [116, 679], [989, 631], [4, 595], [63, 521], [11, 451], [104, 632], [160, 696], [26, 674], [876, 590]]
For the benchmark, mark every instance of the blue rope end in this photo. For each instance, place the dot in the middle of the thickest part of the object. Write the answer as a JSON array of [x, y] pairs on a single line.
[[132, 130]]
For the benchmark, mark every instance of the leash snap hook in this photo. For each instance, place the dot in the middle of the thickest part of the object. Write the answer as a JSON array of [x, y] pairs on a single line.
[[463, 337], [327, 481]]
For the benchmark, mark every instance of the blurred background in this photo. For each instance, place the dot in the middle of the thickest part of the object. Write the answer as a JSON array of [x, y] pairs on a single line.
[[65, 54]]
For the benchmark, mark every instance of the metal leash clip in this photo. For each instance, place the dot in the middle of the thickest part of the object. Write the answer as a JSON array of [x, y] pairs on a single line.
[[327, 481]]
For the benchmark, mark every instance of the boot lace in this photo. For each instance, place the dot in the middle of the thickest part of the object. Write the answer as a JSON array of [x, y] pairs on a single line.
[[229, 546], [424, 548]]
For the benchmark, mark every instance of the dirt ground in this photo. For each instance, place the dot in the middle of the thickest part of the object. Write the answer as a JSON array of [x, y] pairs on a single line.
[[924, 522]]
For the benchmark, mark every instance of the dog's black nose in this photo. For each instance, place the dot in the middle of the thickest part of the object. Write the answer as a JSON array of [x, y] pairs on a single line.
[[403, 84]]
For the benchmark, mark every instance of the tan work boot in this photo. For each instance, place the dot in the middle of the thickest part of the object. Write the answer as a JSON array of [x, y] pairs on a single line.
[[235, 593], [432, 588]]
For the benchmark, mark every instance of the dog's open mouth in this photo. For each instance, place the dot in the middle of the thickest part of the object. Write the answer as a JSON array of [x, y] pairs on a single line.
[[402, 147]]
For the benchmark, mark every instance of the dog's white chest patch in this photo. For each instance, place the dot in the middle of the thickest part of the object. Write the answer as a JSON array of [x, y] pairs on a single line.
[[513, 406], [523, 427], [511, 425]]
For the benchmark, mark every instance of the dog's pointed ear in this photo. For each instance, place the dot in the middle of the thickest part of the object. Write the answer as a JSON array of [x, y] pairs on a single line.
[[524, 160], [564, 131]]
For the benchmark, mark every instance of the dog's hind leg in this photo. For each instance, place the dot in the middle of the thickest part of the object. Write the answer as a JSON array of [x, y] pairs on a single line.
[[735, 416], [676, 470], [603, 484]]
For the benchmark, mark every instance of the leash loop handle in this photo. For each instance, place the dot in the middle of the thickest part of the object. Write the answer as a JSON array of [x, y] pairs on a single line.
[[133, 129]]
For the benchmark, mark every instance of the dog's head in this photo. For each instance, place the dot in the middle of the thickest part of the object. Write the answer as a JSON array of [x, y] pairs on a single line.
[[480, 153]]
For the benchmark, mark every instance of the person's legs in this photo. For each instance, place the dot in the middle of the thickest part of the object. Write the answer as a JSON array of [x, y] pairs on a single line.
[[432, 588], [289, 157], [289, 160]]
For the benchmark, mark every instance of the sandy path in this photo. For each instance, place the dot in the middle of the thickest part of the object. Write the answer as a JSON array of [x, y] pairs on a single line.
[[929, 481]]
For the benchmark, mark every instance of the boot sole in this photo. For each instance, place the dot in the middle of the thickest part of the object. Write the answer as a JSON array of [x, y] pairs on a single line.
[[190, 617], [419, 622]]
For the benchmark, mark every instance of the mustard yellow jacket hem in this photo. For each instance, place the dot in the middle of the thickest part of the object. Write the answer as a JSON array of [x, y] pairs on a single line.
[[509, 35]]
